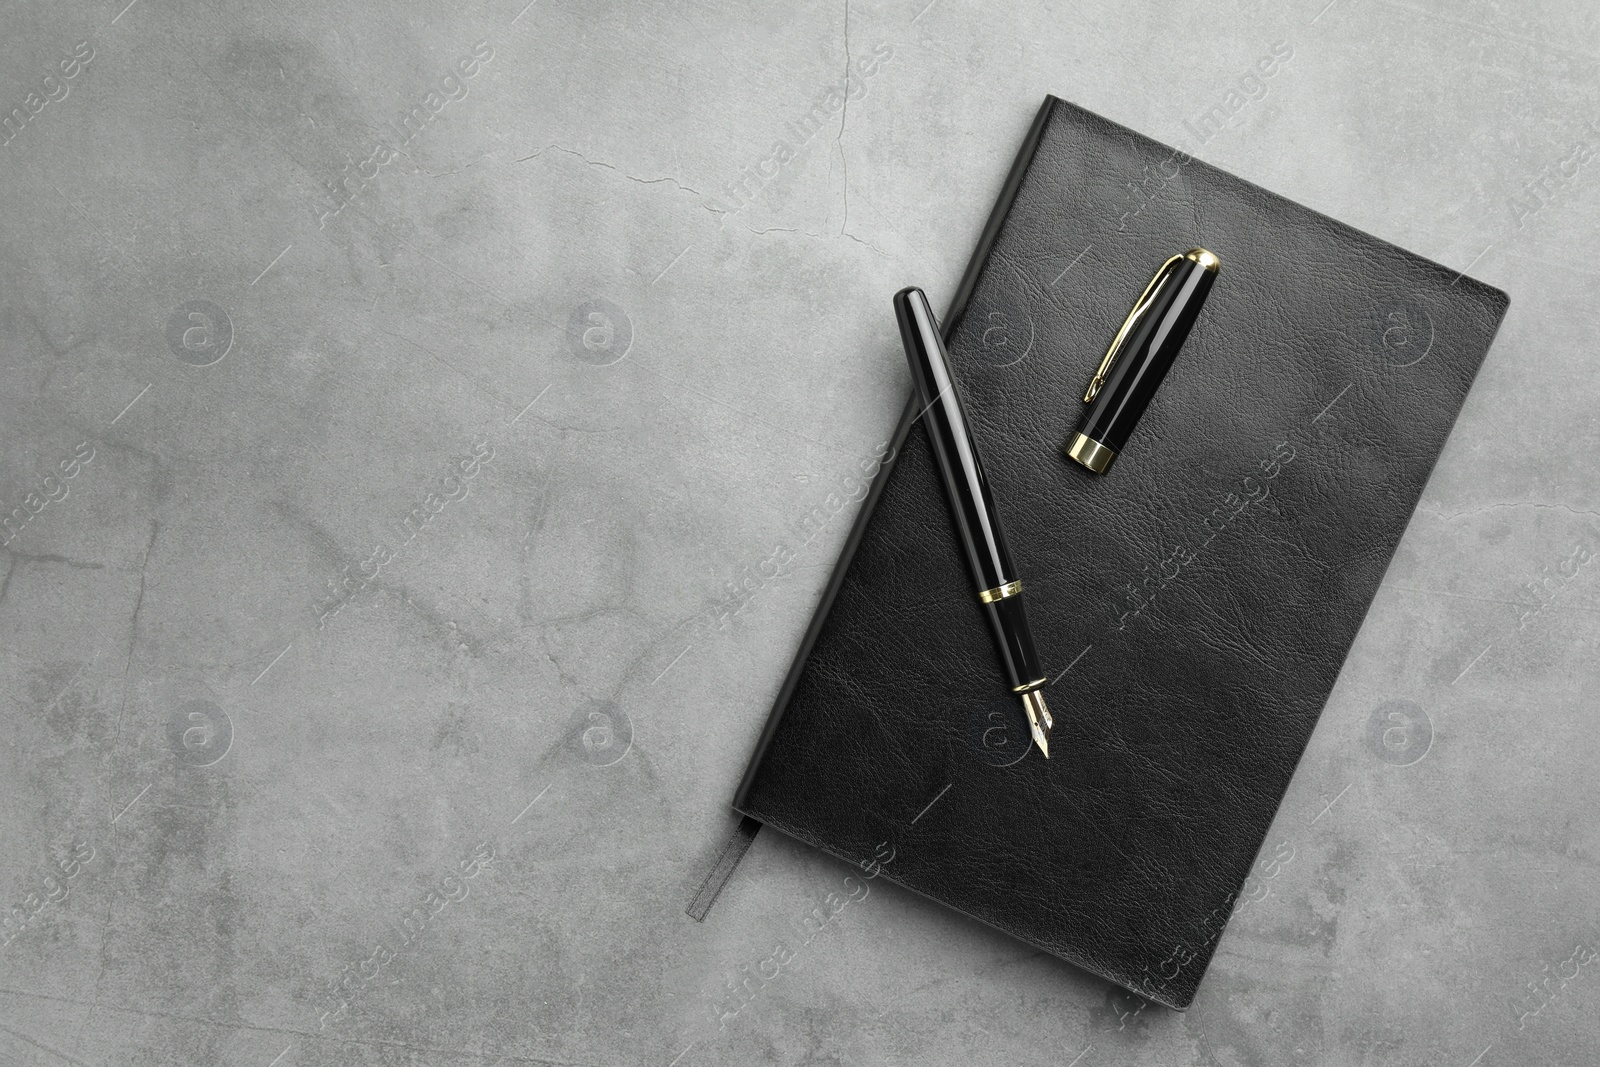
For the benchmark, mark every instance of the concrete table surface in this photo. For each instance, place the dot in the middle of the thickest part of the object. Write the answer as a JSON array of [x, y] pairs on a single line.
[[393, 394]]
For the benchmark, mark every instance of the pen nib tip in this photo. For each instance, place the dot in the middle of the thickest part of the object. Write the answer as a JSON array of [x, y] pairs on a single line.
[[1039, 721]]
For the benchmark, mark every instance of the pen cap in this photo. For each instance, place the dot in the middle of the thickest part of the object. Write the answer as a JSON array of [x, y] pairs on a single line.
[[1140, 357]]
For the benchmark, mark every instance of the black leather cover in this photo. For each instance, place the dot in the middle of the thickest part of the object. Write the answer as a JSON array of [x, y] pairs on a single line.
[[1205, 591]]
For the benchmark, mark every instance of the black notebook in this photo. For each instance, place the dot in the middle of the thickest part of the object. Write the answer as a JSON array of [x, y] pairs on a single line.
[[1193, 607]]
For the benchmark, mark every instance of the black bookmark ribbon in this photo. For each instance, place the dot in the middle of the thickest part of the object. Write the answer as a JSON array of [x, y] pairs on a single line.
[[738, 844]]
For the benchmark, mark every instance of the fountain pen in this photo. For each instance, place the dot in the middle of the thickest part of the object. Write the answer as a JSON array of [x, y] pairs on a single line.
[[977, 521]]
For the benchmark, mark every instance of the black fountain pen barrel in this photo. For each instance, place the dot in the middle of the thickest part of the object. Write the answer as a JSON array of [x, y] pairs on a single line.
[[972, 504], [977, 522], [944, 416], [1013, 637]]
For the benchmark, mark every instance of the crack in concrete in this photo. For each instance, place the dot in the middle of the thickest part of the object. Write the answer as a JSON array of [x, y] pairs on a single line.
[[868, 244], [723, 213], [122, 707], [1535, 504], [133, 631], [820, 236], [446, 173], [844, 114], [632, 178]]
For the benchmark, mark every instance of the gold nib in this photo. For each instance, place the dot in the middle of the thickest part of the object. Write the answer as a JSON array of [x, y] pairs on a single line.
[[1038, 719]]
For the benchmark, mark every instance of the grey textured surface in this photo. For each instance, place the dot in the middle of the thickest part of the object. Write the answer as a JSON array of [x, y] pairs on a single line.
[[385, 641]]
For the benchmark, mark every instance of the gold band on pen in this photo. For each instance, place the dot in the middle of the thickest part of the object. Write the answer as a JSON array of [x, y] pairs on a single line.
[[1091, 453], [1000, 592], [1029, 687]]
